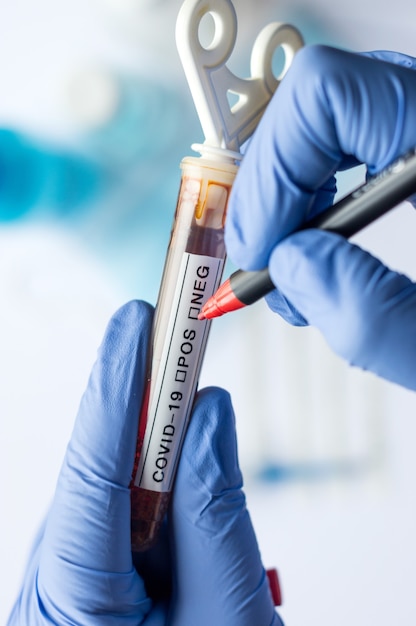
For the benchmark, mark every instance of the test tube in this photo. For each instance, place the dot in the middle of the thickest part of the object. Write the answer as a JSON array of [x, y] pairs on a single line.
[[193, 270]]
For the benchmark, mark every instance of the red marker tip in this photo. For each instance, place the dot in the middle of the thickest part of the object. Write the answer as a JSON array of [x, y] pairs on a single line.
[[223, 301], [210, 309]]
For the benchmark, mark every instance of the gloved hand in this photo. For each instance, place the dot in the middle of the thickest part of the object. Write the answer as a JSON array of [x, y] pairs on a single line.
[[205, 569], [333, 110]]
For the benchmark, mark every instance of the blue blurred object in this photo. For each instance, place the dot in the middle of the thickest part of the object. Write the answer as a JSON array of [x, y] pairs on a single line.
[[310, 472], [36, 179], [116, 187]]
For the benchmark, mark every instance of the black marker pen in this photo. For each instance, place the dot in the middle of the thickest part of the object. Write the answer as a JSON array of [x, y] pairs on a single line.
[[348, 216]]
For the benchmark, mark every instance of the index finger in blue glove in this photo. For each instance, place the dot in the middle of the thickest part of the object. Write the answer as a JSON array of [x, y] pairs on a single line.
[[332, 107], [86, 559]]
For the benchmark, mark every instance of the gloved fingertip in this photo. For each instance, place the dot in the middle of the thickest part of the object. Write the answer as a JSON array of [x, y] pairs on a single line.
[[208, 468], [279, 304], [126, 325], [104, 436], [212, 438]]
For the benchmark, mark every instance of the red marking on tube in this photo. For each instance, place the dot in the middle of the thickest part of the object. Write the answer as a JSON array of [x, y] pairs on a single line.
[[223, 301], [141, 431], [274, 585]]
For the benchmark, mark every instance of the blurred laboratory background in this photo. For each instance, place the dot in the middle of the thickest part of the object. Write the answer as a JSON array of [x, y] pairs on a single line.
[[95, 116]]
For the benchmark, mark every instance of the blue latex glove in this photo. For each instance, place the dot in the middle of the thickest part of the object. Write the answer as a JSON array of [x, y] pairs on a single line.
[[205, 569], [333, 110]]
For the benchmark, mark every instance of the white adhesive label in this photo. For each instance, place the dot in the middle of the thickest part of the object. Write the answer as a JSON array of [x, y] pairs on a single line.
[[173, 393]]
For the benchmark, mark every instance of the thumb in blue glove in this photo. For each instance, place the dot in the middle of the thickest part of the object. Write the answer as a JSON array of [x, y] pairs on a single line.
[[366, 312], [333, 110], [81, 569]]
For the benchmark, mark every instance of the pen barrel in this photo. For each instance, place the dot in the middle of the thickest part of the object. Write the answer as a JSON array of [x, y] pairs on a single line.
[[379, 194], [248, 287], [192, 273]]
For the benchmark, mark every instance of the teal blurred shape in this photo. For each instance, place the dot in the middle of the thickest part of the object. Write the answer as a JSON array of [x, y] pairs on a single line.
[[37, 179], [114, 186]]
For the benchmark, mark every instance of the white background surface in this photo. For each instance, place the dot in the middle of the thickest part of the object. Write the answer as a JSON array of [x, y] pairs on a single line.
[[344, 543]]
